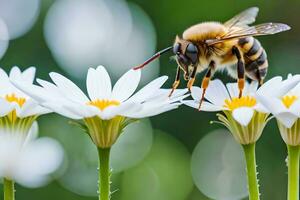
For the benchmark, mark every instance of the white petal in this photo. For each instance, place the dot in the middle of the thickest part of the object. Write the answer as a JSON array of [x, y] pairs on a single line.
[[162, 96], [54, 106], [5, 107], [3, 75], [287, 119], [177, 92], [121, 110], [153, 112], [295, 108], [233, 89], [126, 85], [261, 108], [29, 74], [251, 88], [82, 110], [149, 111], [216, 93], [35, 92], [15, 73], [196, 93], [268, 87], [50, 88], [147, 91], [39, 158], [243, 115], [295, 90], [273, 104], [71, 91], [286, 86], [205, 106], [31, 108], [178, 98], [98, 83]]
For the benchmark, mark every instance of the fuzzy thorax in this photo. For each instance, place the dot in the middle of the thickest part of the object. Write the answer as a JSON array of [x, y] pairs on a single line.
[[204, 31]]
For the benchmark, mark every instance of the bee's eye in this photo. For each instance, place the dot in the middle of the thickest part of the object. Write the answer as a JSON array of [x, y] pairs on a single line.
[[192, 52], [176, 48]]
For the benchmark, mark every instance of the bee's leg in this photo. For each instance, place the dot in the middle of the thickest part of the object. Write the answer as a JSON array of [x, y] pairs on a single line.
[[205, 81], [176, 82], [192, 78], [240, 70], [186, 73]]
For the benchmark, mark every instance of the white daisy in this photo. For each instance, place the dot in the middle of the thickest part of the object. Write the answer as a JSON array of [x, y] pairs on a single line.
[[29, 160], [105, 106], [17, 110], [286, 109], [245, 117]]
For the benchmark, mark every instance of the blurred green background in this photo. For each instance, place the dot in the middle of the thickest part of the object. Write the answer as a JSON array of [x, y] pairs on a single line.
[[68, 36]]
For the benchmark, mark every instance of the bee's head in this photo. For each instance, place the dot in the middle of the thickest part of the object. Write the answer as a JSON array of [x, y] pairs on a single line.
[[186, 53]]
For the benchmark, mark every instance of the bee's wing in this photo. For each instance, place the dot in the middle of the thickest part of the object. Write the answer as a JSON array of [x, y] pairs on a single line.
[[243, 19], [260, 29]]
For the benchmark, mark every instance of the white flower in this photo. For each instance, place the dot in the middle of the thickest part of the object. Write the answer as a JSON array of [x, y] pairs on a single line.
[[247, 111], [221, 98], [105, 104], [29, 160], [12, 98], [285, 106], [286, 109], [17, 110], [104, 101]]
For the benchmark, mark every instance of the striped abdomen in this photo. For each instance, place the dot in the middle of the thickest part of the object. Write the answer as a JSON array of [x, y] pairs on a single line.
[[255, 57]]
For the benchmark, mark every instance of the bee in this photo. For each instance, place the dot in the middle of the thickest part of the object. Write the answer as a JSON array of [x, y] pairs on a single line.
[[214, 46]]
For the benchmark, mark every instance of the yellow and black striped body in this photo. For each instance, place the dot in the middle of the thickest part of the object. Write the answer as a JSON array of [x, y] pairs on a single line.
[[255, 58]]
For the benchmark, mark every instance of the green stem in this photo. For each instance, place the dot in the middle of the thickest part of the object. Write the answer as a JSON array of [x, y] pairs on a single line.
[[249, 151], [293, 168], [9, 189], [104, 174]]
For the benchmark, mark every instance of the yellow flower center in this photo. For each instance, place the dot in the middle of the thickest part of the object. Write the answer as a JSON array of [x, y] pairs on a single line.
[[13, 98], [103, 103], [288, 100], [245, 101]]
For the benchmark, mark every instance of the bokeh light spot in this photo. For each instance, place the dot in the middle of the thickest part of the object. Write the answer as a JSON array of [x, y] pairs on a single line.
[[19, 15], [218, 167], [163, 175]]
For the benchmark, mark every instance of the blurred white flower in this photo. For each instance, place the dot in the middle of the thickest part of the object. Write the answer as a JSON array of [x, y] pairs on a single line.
[[106, 106], [17, 111], [29, 160], [14, 100], [242, 112]]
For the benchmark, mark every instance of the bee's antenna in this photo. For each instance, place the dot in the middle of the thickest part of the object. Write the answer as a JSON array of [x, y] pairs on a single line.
[[155, 56]]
